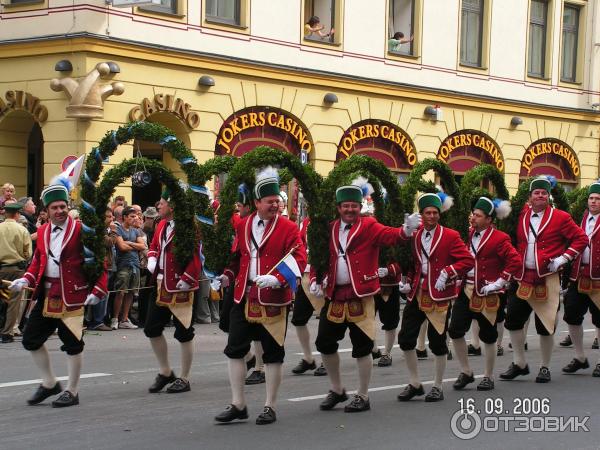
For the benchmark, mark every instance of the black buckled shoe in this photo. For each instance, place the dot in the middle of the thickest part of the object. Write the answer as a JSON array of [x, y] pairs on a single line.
[[473, 351], [566, 342], [384, 361], [232, 413], [595, 344], [514, 371], [160, 382], [421, 354], [66, 399], [596, 372], [178, 386], [320, 371], [42, 393], [462, 380], [409, 392], [575, 365], [303, 366], [266, 417], [332, 399], [376, 354], [7, 339], [543, 375], [487, 384], [256, 377], [358, 404], [435, 395]]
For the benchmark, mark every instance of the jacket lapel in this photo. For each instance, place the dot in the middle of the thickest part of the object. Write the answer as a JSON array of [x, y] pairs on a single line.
[[335, 232], [545, 219], [486, 237], [269, 230], [248, 232], [68, 233], [437, 237], [353, 232], [417, 238]]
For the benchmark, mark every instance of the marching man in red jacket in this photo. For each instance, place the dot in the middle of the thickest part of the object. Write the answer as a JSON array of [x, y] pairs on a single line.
[[584, 290], [441, 259], [61, 290], [268, 259], [350, 284], [496, 262], [547, 239], [175, 288]]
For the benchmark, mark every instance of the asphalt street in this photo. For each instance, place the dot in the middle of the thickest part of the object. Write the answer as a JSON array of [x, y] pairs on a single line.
[[117, 412]]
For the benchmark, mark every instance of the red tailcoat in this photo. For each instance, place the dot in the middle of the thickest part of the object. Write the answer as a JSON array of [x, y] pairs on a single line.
[[281, 235], [362, 254], [557, 234], [74, 285], [495, 258], [172, 273], [448, 252], [594, 243]]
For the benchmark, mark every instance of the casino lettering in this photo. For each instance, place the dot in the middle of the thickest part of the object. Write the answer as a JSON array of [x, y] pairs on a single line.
[[554, 147], [471, 139]]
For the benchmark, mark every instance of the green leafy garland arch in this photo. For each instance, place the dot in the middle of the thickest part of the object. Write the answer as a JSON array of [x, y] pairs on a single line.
[[578, 200], [94, 200], [244, 172]]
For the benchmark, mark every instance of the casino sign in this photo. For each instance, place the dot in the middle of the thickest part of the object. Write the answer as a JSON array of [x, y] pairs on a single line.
[[466, 149], [550, 156]]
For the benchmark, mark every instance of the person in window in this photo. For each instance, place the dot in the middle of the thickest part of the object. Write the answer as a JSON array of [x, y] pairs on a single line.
[[313, 29], [396, 41]]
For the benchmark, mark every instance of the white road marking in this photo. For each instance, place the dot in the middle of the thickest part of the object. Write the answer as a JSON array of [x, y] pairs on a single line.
[[376, 389], [26, 382]]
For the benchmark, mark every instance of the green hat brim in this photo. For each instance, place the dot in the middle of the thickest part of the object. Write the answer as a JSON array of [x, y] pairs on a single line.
[[13, 207], [55, 193], [429, 200], [348, 194], [266, 187], [486, 205], [540, 183], [594, 188]]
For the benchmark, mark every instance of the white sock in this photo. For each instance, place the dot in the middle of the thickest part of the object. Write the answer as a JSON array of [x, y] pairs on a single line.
[[546, 346], [440, 367], [332, 364], [365, 366], [74, 365], [187, 355], [500, 328], [161, 350], [475, 334], [517, 339], [410, 356], [421, 338], [390, 338], [576, 333], [460, 350], [237, 377], [304, 339], [41, 358], [273, 380], [490, 359], [258, 351]]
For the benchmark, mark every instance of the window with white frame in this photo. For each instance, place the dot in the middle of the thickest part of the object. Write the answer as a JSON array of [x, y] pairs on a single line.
[[223, 11], [165, 6], [401, 27], [538, 26], [319, 20], [471, 32], [570, 38]]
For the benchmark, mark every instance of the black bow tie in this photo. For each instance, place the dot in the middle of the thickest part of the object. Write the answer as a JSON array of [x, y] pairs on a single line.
[[261, 223], [56, 228], [591, 218], [535, 215], [348, 226], [427, 235], [477, 234]]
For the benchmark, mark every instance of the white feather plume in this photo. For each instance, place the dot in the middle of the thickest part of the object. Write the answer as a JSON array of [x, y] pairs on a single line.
[[267, 172], [364, 185], [503, 209]]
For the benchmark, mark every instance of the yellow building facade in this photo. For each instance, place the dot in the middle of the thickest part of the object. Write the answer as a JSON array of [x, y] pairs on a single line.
[[249, 104]]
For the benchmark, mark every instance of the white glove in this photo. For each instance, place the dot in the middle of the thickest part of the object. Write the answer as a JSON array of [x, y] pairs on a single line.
[[493, 287], [215, 284], [325, 283], [440, 284], [18, 284], [182, 286], [411, 223], [224, 280], [404, 288], [92, 300], [267, 281], [557, 263], [152, 264], [382, 272], [316, 289]]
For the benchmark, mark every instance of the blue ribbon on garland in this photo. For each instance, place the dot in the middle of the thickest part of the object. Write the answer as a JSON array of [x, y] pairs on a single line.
[[209, 274], [87, 179], [90, 260], [88, 206], [86, 229], [167, 139], [115, 142], [199, 189], [87, 253], [186, 161], [97, 155], [205, 220]]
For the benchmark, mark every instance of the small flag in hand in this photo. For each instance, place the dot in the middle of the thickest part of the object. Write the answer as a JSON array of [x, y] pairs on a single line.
[[288, 268]]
